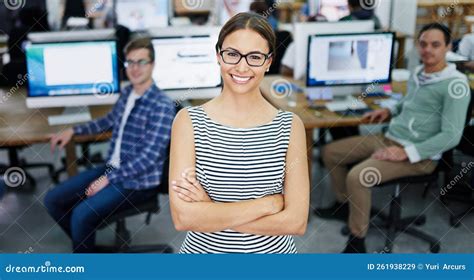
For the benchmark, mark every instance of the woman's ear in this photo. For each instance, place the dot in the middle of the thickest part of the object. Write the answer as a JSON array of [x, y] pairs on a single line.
[[269, 62]]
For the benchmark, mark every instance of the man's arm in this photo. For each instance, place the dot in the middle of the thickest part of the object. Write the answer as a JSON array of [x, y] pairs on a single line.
[[453, 116]]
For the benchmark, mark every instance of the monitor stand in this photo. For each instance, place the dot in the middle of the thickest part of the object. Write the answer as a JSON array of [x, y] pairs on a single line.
[[71, 115], [340, 92], [357, 90], [332, 92]]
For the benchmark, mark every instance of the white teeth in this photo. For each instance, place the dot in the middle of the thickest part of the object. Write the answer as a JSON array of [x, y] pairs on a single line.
[[240, 79]]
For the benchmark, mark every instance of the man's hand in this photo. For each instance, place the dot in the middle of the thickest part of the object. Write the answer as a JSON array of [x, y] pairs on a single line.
[[61, 139], [380, 115], [392, 153], [97, 185]]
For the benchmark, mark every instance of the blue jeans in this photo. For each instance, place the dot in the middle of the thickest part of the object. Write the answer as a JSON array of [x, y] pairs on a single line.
[[80, 216]]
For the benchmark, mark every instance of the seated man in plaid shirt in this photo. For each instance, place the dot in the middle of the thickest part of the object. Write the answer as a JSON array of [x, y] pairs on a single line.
[[141, 127]]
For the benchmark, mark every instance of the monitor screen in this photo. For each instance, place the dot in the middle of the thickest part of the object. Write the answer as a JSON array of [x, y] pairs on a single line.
[[72, 68], [186, 62], [138, 15], [349, 59]]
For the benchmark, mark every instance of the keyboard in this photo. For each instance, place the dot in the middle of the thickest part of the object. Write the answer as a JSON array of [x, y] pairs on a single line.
[[350, 102]]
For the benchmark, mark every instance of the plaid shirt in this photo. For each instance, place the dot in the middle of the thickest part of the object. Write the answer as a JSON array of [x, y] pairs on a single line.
[[145, 140]]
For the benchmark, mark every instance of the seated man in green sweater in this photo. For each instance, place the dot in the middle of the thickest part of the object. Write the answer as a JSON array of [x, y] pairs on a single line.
[[426, 122]]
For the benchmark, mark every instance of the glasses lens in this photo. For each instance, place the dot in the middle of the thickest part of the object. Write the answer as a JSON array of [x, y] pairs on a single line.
[[231, 57], [142, 62], [139, 63], [255, 59]]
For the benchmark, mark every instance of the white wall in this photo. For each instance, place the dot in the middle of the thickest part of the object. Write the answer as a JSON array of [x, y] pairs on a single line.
[[404, 14], [383, 12]]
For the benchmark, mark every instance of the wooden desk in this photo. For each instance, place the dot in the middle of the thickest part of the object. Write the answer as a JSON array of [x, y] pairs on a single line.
[[20, 126]]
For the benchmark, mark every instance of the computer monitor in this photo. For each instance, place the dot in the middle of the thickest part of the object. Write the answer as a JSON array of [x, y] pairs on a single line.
[[303, 30], [139, 15], [72, 35], [72, 74], [349, 59], [186, 66]]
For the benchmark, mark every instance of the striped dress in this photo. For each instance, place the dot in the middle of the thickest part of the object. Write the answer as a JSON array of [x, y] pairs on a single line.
[[234, 164]]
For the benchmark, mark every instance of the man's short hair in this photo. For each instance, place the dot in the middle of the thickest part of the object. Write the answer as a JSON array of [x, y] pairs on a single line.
[[141, 43], [437, 26]]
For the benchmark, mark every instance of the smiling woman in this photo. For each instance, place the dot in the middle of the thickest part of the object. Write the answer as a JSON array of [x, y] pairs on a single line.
[[238, 172]]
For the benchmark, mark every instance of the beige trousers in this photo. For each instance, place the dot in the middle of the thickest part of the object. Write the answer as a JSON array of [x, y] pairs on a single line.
[[354, 185]]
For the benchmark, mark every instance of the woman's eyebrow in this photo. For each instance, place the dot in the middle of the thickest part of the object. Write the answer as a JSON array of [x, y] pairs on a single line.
[[230, 48]]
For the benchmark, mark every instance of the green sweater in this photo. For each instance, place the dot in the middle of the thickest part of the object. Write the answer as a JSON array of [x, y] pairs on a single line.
[[430, 118]]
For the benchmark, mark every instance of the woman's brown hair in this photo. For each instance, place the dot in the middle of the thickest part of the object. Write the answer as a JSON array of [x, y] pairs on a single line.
[[250, 21]]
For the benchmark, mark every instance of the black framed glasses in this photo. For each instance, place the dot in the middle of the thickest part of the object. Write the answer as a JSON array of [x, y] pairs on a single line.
[[139, 63], [254, 59]]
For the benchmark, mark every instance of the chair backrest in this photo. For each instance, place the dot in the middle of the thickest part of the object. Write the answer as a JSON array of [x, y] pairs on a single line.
[[467, 141], [163, 187], [466, 144]]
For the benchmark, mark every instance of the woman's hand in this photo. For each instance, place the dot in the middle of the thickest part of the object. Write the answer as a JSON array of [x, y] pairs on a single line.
[[188, 187]]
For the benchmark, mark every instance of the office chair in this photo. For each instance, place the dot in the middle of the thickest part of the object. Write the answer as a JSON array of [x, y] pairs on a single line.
[[456, 218], [393, 223], [466, 146], [122, 234]]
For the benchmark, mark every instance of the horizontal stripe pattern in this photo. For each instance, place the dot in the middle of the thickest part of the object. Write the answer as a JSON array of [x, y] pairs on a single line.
[[235, 164]]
